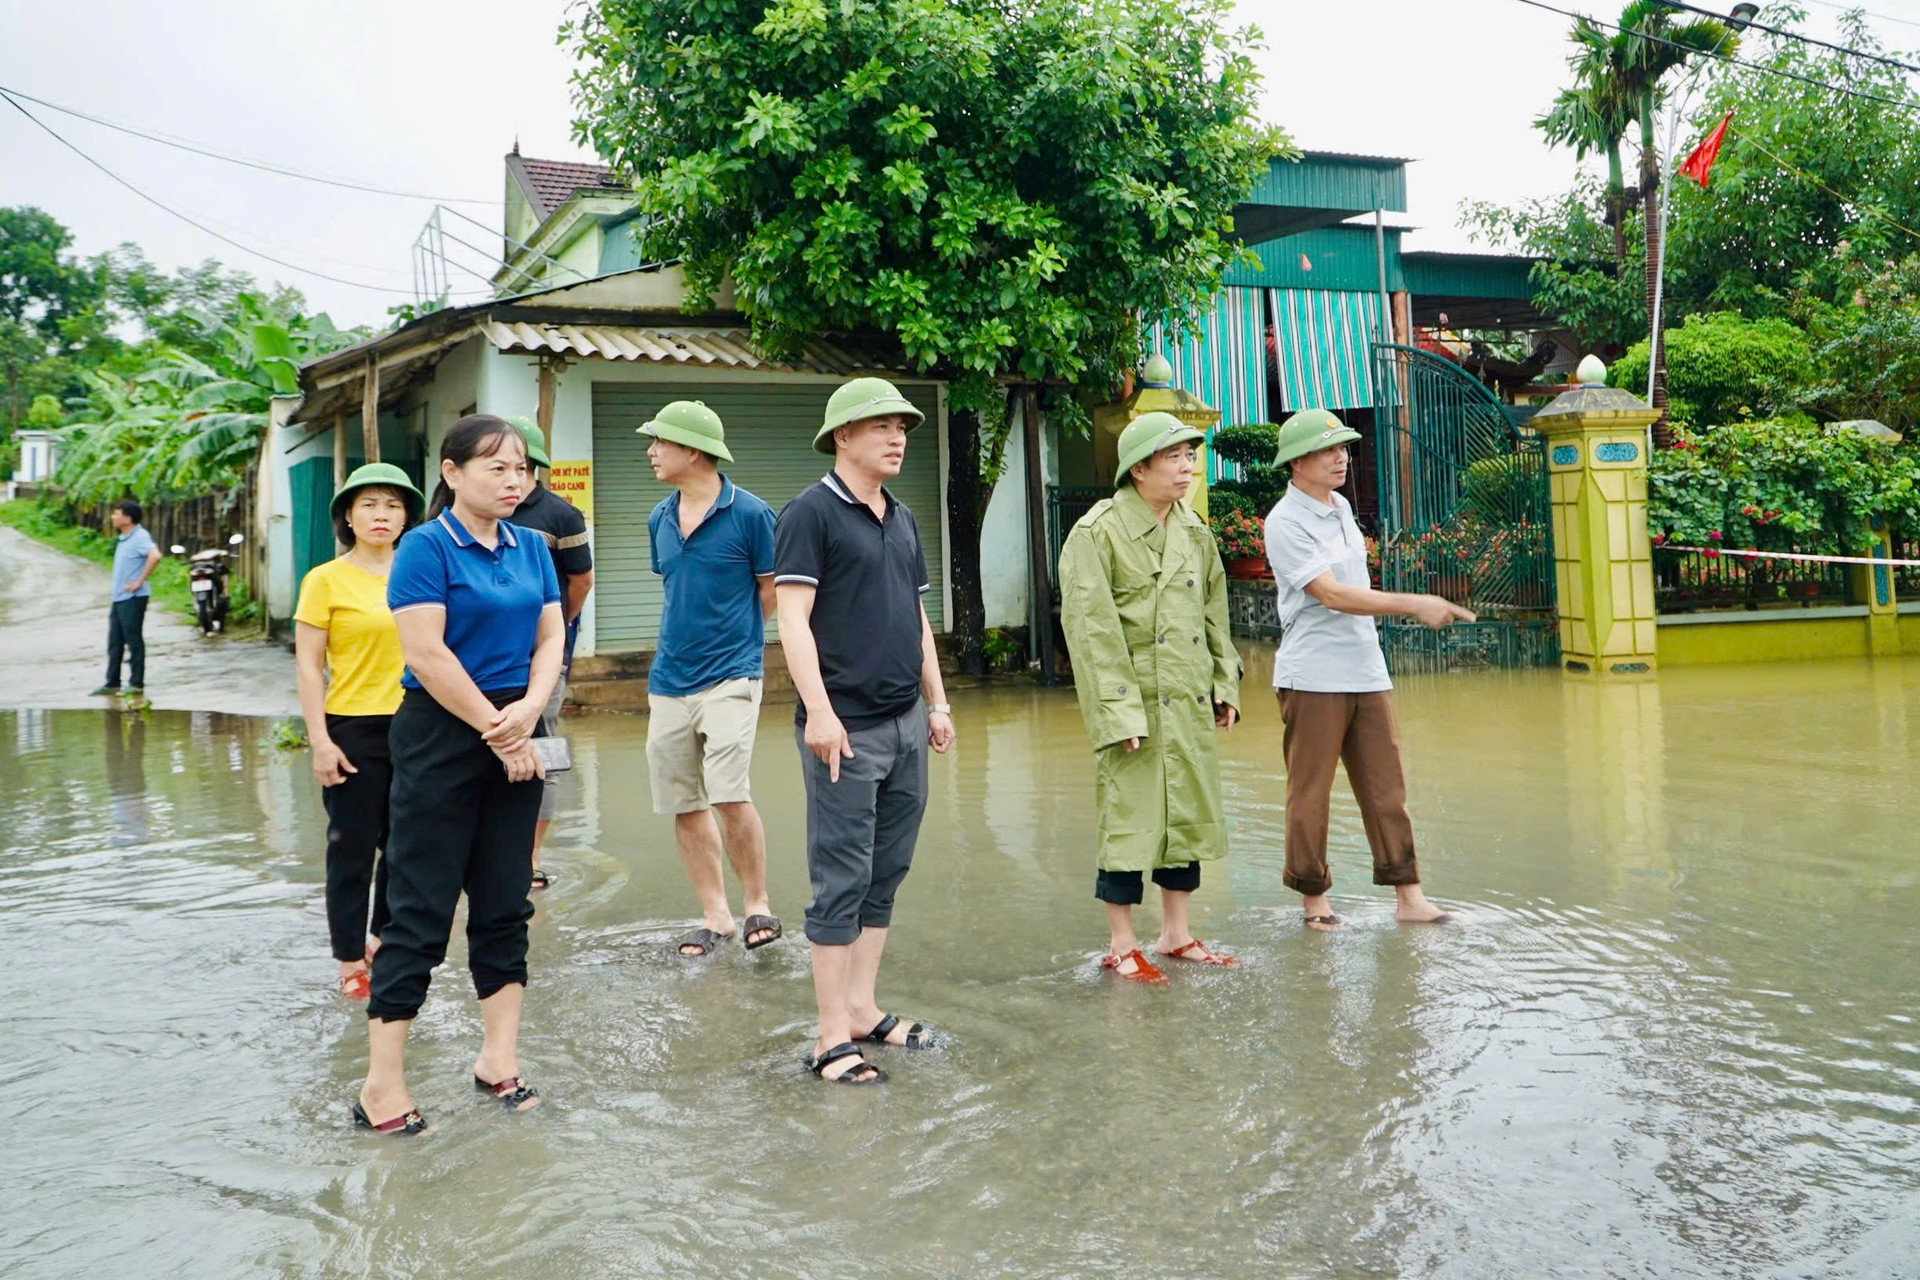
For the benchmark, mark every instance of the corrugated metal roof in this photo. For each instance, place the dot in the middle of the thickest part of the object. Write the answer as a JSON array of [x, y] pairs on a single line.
[[730, 347], [1328, 181]]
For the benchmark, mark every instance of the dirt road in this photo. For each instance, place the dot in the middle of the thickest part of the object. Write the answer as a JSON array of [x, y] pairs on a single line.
[[53, 643]]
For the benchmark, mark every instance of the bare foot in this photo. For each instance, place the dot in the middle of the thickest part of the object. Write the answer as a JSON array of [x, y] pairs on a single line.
[[1319, 913], [1415, 909]]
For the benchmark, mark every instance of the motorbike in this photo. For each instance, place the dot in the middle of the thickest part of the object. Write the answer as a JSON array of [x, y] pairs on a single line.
[[207, 578]]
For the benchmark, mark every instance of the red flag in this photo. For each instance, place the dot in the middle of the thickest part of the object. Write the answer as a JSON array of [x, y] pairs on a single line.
[[1703, 156]]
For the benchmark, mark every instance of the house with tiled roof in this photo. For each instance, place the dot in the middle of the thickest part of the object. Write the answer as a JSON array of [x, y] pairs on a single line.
[[565, 222]]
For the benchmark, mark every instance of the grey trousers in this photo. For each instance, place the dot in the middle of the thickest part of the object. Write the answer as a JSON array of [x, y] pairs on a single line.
[[550, 727], [861, 829]]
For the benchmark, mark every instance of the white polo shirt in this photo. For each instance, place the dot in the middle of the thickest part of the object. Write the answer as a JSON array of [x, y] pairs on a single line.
[[1321, 650]]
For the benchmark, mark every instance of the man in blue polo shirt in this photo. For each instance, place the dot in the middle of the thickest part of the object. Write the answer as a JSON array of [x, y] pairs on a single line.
[[134, 558], [713, 547]]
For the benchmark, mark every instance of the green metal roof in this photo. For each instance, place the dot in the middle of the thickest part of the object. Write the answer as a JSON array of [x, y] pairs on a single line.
[[1468, 275], [1334, 180], [1340, 257]]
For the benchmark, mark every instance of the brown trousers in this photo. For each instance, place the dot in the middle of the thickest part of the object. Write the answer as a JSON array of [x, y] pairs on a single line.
[[1361, 731]]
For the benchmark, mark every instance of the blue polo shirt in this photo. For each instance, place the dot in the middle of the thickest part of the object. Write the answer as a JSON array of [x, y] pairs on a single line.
[[711, 628], [129, 558], [493, 598]]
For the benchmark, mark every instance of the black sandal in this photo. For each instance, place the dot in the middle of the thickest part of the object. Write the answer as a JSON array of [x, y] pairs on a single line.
[[513, 1092], [918, 1036], [540, 881], [401, 1126], [760, 924], [1331, 922], [865, 1073], [703, 938]]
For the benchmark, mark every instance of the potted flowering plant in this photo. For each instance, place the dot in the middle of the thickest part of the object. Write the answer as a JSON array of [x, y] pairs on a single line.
[[1242, 539]]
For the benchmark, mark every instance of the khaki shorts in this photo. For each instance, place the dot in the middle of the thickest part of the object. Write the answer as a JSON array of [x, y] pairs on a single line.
[[699, 747]]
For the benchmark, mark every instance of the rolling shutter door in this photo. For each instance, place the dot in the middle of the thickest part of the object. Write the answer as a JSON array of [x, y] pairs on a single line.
[[770, 430]]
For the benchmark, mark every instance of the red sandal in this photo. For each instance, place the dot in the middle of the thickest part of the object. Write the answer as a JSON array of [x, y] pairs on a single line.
[[1206, 956], [1143, 970], [357, 985]]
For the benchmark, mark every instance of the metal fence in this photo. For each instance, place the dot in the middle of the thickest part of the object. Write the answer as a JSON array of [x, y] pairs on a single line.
[[1906, 582], [1692, 581]]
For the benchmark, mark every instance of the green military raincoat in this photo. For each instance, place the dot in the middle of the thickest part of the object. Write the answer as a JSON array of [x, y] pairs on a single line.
[[1145, 612]]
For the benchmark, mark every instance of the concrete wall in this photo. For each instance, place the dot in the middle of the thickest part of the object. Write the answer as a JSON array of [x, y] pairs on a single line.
[[1841, 631]]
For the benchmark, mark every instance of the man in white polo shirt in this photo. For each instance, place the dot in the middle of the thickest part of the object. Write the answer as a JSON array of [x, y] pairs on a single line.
[[1331, 676]]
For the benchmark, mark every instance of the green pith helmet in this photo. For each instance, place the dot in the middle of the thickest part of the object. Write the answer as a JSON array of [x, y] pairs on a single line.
[[864, 398], [692, 424], [1147, 435], [536, 440], [1310, 431], [380, 473]]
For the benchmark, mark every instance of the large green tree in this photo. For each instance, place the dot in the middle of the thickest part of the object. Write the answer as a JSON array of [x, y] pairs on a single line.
[[1002, 189], [43, 289]]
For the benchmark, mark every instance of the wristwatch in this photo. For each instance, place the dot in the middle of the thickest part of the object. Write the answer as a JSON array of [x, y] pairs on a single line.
[[940, 708]]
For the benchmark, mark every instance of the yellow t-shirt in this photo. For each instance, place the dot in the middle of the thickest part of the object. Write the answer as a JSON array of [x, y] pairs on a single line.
[[363, 646]]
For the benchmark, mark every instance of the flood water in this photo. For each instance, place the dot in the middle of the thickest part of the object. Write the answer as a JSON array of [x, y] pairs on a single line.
[[1680, 1035]]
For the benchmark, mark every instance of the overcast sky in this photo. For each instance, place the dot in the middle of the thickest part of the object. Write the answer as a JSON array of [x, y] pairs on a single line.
[[427, 95]]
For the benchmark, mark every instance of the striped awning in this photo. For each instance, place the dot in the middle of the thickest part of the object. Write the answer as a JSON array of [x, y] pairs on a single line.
[[1324, 337], [1224, 362]]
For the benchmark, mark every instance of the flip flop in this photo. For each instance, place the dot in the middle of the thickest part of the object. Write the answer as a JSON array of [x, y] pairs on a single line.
[[759, 924], [515, 1093], [864, 1073], [705, 939], [1206, 956], [918, 1036], [1143, 970], [1331, 922], [402, 1126]]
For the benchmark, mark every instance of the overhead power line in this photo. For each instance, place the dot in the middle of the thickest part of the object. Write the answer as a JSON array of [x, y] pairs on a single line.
[[1784, 34], [262, 165], [1854, 8], [1721, 57], [199, 226]]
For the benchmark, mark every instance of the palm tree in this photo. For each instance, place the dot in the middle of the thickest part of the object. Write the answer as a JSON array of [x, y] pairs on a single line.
[[1593, 117], [1654, 45], [1620, 78]]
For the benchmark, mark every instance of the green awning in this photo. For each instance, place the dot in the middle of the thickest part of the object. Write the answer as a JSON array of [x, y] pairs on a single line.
[[1324, 338], [1224, 363]]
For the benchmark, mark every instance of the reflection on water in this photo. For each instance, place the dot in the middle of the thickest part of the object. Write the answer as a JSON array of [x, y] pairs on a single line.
[[1678, 1038]]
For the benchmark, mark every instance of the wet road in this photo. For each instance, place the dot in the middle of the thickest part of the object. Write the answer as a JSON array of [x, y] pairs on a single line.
[[1679, 1038], [53, 644]]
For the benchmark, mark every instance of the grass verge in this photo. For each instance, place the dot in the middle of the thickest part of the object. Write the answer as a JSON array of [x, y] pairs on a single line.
[[44, 524]]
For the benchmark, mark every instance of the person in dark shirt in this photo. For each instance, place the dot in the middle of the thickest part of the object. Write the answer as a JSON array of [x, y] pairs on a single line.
[[849, 572], [564, 530]]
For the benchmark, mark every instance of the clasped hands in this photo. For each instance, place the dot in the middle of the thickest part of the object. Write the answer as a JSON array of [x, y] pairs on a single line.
[[511, 737]]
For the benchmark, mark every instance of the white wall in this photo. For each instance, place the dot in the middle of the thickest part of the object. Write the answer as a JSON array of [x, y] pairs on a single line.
[[1006, 572]]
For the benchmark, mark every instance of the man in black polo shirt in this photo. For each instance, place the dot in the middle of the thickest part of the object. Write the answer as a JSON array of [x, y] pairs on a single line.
[[849, 571], [564, 530]]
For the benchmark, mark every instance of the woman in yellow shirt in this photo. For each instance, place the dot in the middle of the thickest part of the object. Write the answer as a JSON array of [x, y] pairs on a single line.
[[350, 665]]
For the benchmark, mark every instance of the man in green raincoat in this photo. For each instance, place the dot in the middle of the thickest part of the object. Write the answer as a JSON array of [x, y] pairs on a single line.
[[1144, 604]]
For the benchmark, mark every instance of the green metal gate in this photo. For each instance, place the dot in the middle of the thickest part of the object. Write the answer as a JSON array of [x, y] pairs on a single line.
[[1464, 513]]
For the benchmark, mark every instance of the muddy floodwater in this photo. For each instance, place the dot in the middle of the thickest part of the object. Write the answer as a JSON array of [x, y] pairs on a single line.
[[1680, 1035]]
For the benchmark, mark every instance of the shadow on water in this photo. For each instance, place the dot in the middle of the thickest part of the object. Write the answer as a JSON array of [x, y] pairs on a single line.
[[1678, 1037]]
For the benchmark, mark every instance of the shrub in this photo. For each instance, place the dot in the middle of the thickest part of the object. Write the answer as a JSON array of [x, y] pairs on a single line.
[[1781, 484], [1723, 368], [1239, 535], [1261, 486], [1220, 501], [1502, 490], [1251, 445]]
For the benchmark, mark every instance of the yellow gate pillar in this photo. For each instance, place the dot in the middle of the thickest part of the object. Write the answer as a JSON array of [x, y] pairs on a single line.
[[1156, 394], [1873, 583], [1596, 439]]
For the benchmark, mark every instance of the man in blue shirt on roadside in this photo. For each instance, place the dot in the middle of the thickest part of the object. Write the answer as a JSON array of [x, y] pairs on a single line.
[[134, 558], [713, 547]]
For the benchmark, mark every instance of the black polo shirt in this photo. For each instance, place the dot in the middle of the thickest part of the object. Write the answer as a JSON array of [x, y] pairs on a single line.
[[868, 575], [561, 526]]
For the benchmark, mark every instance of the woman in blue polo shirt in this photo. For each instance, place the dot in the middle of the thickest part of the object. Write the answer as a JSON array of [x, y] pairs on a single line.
[[472, 600]]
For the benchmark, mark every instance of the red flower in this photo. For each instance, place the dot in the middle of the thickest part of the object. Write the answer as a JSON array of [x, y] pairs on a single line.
[[1713, 535], [1659, 539]]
